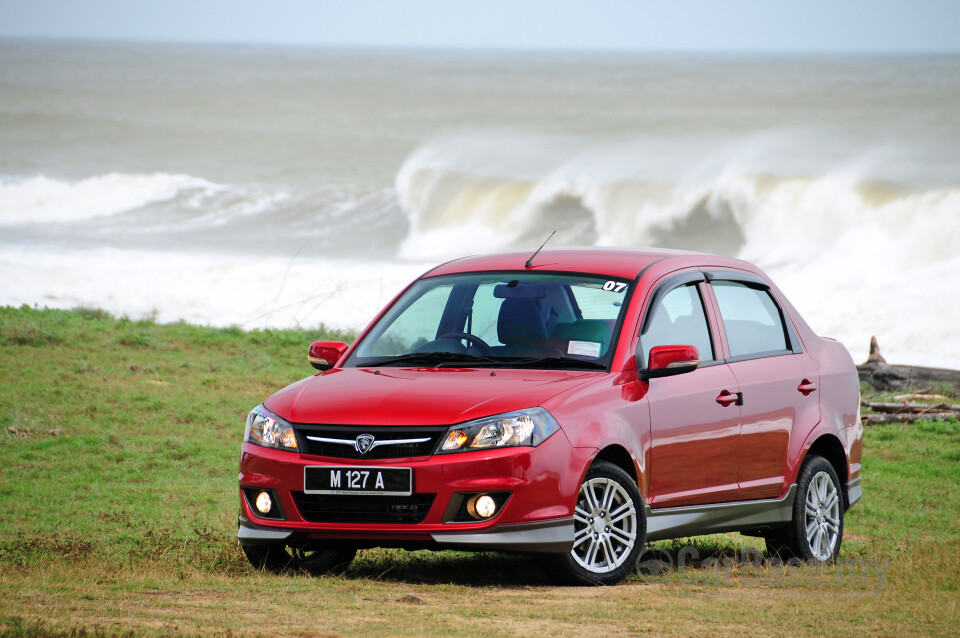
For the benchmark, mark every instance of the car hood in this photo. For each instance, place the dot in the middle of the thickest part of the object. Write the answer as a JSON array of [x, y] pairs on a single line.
[[406, 396]]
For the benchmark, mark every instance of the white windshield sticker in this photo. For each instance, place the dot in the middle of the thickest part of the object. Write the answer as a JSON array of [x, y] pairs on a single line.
[[614, 286], [584, 348]]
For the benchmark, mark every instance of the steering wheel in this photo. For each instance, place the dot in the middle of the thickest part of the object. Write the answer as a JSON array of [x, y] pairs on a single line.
[[473, 340]]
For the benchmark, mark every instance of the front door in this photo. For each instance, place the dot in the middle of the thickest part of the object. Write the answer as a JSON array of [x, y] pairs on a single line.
[[694, 436]]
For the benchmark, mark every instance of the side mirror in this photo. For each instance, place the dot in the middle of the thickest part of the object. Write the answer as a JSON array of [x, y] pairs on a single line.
[[323, 355], [667, 361]]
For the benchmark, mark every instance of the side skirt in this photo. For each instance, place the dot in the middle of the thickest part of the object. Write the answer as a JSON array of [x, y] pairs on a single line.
[[854, 492], [695, 520]]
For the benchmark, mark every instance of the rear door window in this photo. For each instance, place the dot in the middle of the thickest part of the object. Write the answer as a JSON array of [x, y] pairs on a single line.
[[751, 319]]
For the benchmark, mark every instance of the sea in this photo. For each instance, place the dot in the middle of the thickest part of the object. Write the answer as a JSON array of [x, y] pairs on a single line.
[[265, 186]]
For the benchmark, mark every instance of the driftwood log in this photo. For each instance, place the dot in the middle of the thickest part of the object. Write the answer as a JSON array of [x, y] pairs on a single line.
[[880, 419], [916, 408], [885, 377], [919, 396]]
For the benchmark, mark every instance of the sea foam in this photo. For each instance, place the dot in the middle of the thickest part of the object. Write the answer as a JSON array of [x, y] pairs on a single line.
[[217, 290]]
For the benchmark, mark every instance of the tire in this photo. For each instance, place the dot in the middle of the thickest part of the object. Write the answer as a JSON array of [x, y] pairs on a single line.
[[777, 545], [273, 558], [816, 531], [314, 559], [310, 558], [610, 527]]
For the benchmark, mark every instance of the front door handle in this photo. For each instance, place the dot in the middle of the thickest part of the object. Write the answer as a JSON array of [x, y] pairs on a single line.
[[727, 398], [806, 387]]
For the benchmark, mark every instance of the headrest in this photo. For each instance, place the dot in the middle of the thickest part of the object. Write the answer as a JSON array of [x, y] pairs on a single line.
[[519, 322], [520, 290]]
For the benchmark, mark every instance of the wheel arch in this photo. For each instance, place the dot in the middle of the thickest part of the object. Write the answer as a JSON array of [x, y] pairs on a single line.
[[830, 448], [619, 456]]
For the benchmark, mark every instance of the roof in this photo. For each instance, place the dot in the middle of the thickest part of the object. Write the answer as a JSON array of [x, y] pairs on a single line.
[[613, 262]]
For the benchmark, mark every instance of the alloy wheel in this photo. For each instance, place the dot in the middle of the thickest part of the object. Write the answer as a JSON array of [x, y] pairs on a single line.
[[822, 516], [605, 526]]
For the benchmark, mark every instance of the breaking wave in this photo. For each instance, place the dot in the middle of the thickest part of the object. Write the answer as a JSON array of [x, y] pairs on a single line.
[[42, 200], [163, 209], [765, 217]]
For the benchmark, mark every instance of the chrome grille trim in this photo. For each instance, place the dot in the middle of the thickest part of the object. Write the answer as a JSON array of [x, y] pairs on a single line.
[[356, 445]]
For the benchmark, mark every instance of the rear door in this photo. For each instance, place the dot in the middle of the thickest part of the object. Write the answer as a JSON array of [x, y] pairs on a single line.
[[777, 379]]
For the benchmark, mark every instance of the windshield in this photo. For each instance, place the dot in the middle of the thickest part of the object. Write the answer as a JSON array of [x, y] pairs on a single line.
[[532, 320]]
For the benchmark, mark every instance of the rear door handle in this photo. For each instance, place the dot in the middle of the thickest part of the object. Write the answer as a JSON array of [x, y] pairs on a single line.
[[726, 398], [806, 387]]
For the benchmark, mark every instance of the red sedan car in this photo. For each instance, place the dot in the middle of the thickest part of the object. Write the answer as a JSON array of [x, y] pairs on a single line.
[[577, 403]]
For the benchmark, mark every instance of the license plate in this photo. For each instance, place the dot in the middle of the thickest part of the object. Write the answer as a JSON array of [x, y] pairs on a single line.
[[370, 481]]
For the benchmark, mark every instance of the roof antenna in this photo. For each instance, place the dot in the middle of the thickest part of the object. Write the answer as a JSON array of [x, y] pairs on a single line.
[[529, 263]]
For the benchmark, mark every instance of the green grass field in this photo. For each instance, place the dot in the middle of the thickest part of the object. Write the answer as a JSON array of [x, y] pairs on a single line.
[[119, 445]]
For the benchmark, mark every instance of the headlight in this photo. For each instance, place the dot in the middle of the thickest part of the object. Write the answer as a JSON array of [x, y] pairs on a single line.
[[524, 427], [269, 430]]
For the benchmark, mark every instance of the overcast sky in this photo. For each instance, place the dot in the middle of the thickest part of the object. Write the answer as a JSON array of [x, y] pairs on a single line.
[[883, 26]]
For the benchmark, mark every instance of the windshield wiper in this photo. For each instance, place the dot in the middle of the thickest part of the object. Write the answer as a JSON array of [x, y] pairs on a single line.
[[440, 359], [436, 358], [553, 363]]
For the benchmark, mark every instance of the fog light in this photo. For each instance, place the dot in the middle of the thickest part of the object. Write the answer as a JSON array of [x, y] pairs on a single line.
[[482, 506], [264, 503]]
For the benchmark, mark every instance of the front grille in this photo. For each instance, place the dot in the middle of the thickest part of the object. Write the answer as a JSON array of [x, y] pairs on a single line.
[[381, 433], [327, 508]]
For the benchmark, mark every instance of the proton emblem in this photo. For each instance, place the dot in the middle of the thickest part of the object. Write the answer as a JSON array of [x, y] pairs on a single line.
[[365, 443]]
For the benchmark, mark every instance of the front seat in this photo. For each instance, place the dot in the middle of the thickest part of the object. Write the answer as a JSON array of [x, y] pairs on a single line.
[[521, 330]]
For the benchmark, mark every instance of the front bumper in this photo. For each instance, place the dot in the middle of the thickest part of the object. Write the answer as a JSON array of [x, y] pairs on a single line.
[[546, 536], [542, 483]]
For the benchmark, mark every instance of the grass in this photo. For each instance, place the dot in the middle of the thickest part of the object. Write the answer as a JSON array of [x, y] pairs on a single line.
[[119, 445]]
